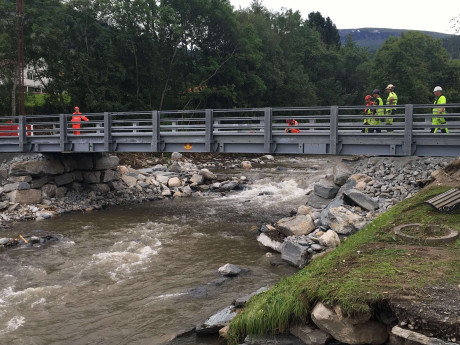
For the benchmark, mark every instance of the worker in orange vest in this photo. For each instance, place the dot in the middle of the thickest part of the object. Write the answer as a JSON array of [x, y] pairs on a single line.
[[77, 118], [291, 122]]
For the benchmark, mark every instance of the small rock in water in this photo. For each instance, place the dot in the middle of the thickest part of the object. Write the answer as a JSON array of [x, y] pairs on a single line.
[[229, 270]]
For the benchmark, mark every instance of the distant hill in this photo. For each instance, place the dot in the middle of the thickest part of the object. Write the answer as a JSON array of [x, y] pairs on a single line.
[[373, 38]]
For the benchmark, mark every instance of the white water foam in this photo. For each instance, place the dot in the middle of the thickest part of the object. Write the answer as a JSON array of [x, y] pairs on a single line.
[[267, 191], [13, 324]]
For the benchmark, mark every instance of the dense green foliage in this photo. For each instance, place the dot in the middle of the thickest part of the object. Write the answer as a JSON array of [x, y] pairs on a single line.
[[175, 54]]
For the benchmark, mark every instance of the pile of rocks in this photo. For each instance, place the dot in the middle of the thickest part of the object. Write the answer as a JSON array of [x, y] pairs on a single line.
[[40, 186], [344, 202]]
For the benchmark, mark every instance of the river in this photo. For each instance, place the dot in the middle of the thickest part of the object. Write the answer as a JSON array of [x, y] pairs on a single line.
[[141, 273]]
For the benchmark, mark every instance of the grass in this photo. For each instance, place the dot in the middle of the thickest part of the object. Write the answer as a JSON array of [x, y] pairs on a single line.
[[368, 267]]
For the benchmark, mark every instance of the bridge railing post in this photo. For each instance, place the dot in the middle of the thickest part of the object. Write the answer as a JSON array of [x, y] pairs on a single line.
[[209, 135], [22, 133], [334, 129], [408, 129], [268, 115], [155, 145], [107, 132], [62, 132]]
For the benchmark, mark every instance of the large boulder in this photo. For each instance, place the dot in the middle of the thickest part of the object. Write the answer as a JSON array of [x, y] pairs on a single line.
[[297, 225], [91, 176], [16, 186], [106, 162], [266, 241], [317, 202], [344, 221], [29, 196], [197, 179], [341, 174], [63, 179], [37, 167], [324, 213], [326, 188], [369, 332], [174, 182], [354, 196], [294, 253]]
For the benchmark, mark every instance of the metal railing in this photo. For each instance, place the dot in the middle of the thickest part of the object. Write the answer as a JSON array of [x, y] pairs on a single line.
[[322, 130]]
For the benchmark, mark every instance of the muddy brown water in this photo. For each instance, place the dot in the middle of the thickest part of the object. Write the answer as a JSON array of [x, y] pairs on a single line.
[[140, 274]]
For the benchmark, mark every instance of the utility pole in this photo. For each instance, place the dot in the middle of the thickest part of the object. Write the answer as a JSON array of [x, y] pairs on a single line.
[[20, 64]]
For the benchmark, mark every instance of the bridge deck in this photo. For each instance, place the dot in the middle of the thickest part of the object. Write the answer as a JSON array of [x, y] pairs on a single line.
[[323, 130]]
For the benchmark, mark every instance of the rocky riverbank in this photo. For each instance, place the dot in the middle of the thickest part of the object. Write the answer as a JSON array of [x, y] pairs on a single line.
[[39, 186]]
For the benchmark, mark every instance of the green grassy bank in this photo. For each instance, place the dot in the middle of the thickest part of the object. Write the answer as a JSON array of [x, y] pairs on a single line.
[[367, 268]]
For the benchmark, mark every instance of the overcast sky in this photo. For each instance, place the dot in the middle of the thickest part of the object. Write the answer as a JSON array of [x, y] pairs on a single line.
[[422, 15]]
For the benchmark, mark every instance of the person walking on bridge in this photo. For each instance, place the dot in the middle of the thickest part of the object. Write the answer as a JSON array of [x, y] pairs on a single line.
[[391, 100], [440, 99], [375, 121], [77, 118]]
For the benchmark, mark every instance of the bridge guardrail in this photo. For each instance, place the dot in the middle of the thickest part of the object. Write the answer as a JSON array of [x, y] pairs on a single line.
[[323, 130]]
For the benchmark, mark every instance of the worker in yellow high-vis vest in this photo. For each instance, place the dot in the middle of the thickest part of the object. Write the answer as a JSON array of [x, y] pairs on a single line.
[[392, 99], [440, 99], [375, 121]]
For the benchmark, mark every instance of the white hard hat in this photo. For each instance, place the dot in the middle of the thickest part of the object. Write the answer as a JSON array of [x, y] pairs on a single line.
[[437, 88], [390, 86]]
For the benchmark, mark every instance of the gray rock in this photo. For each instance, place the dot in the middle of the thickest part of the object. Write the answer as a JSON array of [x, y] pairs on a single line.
[[217, 321], [317, 202], [228, 186], [63, 179], [297, 225], [30, 196], [50, 166], [354, 196], [229, 270], [325, 189], [13, 179], [341, 174], [294, 253], [344, 221], [16, 186], [241, 302], [335, 203], [176, 155], [272, 340], [369, 332], [207, 174], [91, 176], [197, 178], [49, 191], [310, 335], [40, 182], [106, 163]]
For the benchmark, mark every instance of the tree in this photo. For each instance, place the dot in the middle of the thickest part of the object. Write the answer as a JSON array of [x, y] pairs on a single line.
[[414, 63]]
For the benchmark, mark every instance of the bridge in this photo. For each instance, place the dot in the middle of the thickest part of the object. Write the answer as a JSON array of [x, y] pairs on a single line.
[[323, 130]]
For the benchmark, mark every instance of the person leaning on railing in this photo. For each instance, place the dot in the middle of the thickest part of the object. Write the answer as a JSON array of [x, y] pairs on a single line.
[[291, 122], [440, 99]]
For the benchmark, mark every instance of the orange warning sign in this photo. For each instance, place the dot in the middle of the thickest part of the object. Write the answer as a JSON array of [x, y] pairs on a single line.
[[188, 146]]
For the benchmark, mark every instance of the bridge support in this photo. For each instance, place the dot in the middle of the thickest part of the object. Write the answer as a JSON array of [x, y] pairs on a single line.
[[334, 130], [155, 146], [62, 132], [209, 113], [408, 129], [22, 133], [107, 132], [268, 130]]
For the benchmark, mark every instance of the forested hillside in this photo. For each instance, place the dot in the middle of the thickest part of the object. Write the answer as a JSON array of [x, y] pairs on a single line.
[[373, 38], [139, 55]]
